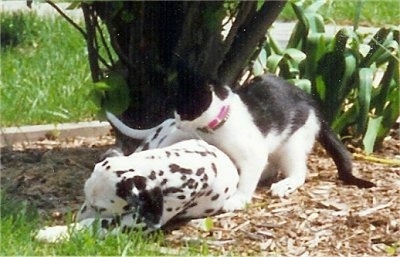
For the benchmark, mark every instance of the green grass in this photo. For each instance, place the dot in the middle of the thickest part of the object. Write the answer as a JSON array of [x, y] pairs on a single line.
[[19, 221], [373, 12], [45, 75]]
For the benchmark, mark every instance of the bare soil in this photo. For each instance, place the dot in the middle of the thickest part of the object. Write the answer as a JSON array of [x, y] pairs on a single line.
[[322, 218]]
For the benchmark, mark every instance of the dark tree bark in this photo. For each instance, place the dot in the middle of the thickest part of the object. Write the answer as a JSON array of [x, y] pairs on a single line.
[[149, 37]]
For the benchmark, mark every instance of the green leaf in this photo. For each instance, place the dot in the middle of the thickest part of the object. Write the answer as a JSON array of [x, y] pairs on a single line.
[[372, 131], [390, 113], [260, 63], [208, 224], [295, 55], [345, 119], [112, 93], [273, 44], [304, 84], [364, 97], [375, 47], [384, 86], [260, 3], [273, 62]]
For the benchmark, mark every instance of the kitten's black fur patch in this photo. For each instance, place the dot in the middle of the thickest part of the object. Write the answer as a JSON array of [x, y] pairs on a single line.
[[195, 92], [276, 104]]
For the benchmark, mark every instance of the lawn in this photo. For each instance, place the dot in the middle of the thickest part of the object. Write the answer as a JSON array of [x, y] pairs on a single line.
[[20, 220], [373, 13], [45, 75]]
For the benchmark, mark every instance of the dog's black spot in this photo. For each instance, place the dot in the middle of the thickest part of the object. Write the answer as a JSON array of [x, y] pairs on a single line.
[[176, 168], [120, 172], [112, 201], [215, 197], [201, 153], [140, 182], [105, 224], [152, 175], [205, 185], [162, 140], [209, 210], [99, 209], [226, 190], [104, 163], [183, 177], [177, 208], [160, 173], [168, 153], [163, 182], [208, 193], [157, 132], [193, 204], [212, 153], [84, 208], [124, 187], [181, 197], [190, 183], [131, 170], [169, 209], [172, 190], [205, 177], [108, 167], [200, 171], [151, 206], [145, 146], [214, 168]]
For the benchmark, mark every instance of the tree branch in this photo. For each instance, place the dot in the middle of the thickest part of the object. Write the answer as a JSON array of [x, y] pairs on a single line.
[[217, 50], [104, 42], [67, 18], [244, 44], [91, 34]]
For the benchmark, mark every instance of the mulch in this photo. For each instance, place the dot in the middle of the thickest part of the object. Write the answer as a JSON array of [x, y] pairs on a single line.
[[322, 218]]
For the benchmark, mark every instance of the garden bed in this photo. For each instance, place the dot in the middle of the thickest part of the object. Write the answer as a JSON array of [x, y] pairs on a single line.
[[322, 218]]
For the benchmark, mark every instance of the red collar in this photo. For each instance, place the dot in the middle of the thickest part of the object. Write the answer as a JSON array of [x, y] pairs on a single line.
[[218, 121]]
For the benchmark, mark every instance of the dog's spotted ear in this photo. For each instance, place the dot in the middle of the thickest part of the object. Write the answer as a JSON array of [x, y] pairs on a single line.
[[151, 204], [146, 200]]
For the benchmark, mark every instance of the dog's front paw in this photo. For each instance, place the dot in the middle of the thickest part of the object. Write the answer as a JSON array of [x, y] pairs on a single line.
[[238, 201], [56, 234]]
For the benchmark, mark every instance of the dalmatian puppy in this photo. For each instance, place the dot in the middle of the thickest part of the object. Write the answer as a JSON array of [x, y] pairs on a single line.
[[145, 190]]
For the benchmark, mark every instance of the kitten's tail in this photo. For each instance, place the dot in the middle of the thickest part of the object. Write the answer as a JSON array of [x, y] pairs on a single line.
[[139, 134], [341, 156]]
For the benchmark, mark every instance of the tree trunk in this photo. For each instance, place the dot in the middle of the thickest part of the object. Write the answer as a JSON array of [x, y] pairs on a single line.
[[149, 37]]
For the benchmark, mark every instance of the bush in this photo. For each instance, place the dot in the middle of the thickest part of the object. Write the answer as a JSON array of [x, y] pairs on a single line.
[[355, 80]]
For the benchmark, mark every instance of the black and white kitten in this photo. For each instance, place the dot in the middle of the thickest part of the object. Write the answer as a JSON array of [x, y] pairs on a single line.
[[268, 122]]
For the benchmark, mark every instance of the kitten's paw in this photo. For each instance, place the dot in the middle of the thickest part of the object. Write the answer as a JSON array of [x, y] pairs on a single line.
[[237, 202], [285, 187]]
